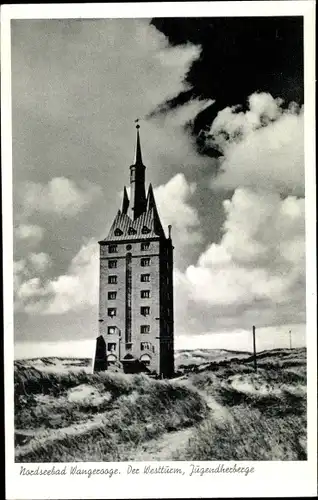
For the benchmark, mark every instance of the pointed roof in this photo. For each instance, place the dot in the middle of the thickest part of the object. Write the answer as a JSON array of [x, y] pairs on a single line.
[[148, 220], [150, 198], [125, 204], [151, 206]]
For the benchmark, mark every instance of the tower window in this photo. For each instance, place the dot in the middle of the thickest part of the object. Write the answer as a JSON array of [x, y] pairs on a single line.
[[112, 311], [111, 346], [145, 346], [112, 249], [145, 278], [131, 230], [145, 230], [112, 295], [145, 329], [145, 261], [111, 330], [145, 310], [118, 232], [145, 294], [112, 279], [112, 264], [145, 245]]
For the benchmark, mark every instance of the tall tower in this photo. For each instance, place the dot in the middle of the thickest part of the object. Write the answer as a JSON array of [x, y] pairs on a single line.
[[136, 284]]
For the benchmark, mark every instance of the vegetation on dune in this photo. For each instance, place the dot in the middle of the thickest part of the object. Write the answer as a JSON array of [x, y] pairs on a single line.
[[248, 435], [266, 411], [138, 409], [233, 412]]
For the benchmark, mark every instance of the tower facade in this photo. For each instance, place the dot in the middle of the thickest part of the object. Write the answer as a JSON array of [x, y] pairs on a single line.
[[136, 284]]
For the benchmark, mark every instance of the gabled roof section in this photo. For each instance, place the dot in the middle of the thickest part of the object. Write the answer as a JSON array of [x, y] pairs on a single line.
[[149, 219]]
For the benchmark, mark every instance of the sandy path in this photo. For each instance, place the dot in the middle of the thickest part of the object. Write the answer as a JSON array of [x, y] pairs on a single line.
[[162, 448], [165, 447], [158, 449]]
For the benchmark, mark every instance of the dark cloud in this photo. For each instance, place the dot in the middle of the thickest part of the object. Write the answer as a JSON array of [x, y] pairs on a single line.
[[239, 56]]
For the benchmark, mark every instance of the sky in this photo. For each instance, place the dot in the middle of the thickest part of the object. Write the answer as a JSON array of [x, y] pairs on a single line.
[[220, 103]]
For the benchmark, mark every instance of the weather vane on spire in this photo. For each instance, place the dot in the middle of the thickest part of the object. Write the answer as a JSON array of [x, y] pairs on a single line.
[[137, 121]]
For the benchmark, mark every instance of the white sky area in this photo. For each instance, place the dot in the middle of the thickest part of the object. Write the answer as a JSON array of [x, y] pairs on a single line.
[[266, 338], [77, 88]]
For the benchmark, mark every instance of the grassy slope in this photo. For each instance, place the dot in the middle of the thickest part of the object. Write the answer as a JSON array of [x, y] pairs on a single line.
[[123, 410], [265, 411], [77, 416]]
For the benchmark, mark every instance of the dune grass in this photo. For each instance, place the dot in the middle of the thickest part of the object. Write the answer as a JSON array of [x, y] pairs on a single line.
[[231, 412], [136, 408], [266, 411], [248, 435]]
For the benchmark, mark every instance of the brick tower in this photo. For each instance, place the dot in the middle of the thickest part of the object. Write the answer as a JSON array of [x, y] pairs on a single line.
[[136, 285]]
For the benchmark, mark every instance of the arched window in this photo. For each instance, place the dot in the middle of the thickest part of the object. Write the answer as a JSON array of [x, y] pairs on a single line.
[[131, 230], [145, 230], [118, 232]]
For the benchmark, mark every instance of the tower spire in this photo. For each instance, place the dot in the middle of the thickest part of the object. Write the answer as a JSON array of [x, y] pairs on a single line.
[[138, 156], [137, 180]]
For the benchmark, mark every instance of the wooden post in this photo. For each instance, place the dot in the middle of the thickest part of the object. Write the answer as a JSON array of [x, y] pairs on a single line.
[[290, 340], [119, 344], [254, 349]]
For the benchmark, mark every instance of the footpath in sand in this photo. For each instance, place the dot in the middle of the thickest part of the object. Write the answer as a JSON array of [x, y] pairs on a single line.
[[162, 448], [166, 446]]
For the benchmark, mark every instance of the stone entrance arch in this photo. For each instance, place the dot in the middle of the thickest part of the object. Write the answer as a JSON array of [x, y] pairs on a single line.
[[111, 358], [145, 359]]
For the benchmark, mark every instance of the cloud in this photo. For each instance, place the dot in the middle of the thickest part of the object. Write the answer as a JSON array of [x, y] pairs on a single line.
[[81, 89], [60, 196], [40, 261], [262, 147], [79, 287], [29, 280], [29, 233], [75, 98], [73, 291], [255, 273], [173, 206]]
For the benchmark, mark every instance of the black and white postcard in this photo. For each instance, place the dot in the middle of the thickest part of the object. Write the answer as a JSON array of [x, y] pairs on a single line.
[[158, 176]]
